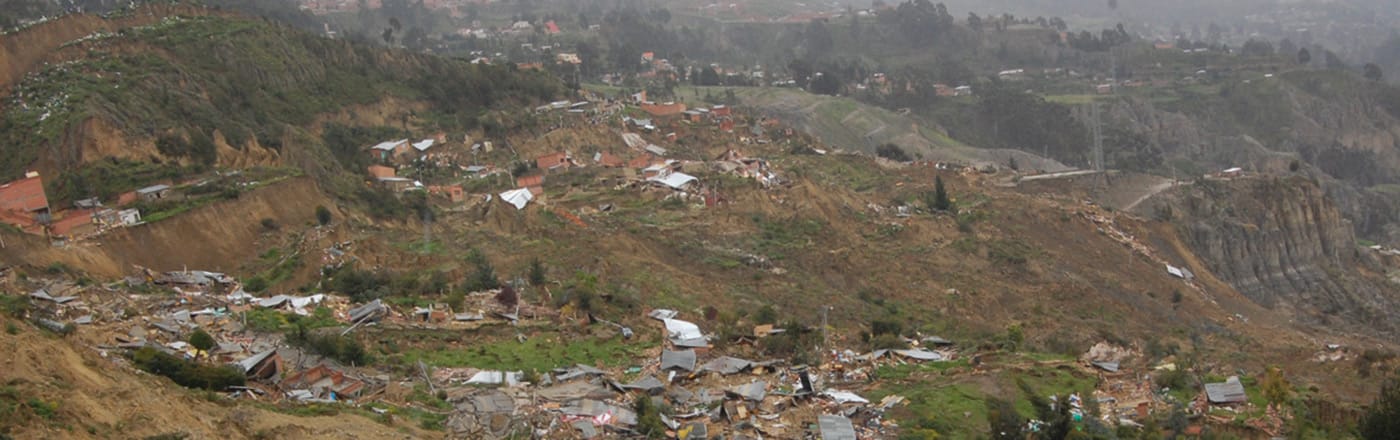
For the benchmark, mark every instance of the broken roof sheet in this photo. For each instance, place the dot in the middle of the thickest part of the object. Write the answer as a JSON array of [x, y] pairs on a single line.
[[678, 329], [683, 360], [662, 314], [252, 361], [1229, 391], [573, 391], [44, 295], [676, 180], [648, 383], [371, 311], [424, 144], [922, 355], [511, 378], [585, 428], [1111, 367], [754, 391], [654, 149], [518, 197], [935, 340], [726, 365], [836, 428], [844, 396], [691, 343], [388, 145], [567, 374], [595, 408], [468, 317]]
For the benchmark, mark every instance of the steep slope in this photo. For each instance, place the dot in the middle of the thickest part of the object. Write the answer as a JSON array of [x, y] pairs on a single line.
[[54, 389], [1283, 243]]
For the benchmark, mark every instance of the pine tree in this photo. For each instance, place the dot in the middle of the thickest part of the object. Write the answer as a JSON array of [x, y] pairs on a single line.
[[940, 195]]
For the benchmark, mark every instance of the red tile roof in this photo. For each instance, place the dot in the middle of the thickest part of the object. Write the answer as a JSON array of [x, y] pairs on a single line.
[[24, 195]]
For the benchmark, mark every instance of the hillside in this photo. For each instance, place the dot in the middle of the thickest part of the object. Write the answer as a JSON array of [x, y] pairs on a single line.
[[860, 127], [554, 241], [189, 91]]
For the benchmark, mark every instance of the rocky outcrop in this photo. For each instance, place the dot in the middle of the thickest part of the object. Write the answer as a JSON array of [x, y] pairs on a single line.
[[1282, 243]]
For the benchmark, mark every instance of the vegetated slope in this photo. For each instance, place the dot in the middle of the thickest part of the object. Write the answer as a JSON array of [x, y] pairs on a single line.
[[1051, 266], [57, 388], [207, 91], [856, 126]]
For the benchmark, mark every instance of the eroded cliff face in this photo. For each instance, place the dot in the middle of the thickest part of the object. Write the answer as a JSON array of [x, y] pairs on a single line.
[[1282, 242]]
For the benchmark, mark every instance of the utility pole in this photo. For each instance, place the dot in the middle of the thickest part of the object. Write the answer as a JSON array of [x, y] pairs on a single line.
[[1097, 130]]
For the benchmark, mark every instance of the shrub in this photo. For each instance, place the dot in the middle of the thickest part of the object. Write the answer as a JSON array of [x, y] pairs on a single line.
[[323, 215], [885, 327], [649, 422], [343, 349], [269, 224], [185, 373], [256, 284], [887, 342], [766, 315], [17, 306]]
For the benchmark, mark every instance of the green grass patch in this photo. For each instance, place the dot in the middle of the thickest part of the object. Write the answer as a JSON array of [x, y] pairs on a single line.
[[541, 352]]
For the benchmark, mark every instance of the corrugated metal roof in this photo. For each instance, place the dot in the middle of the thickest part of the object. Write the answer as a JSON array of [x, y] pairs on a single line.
[[683, 359], [836, 428], [1229, 391]]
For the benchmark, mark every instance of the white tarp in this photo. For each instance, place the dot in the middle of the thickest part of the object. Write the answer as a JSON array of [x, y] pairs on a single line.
[[423, 145], [518, 197], [678, 329], [675, 180]]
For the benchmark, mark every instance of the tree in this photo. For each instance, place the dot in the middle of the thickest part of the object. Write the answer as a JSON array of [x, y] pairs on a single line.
[[892, 152], [1286, 46], [507, 297], [1372, 72], [941, 202], [974, 22], [1256, 48], [1304, 57], [1275, 387], [1003, 420], [537, 272], [1382, 421], [819, 40], [201, 341], [485, 276], [323, 215], [826, 83]]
